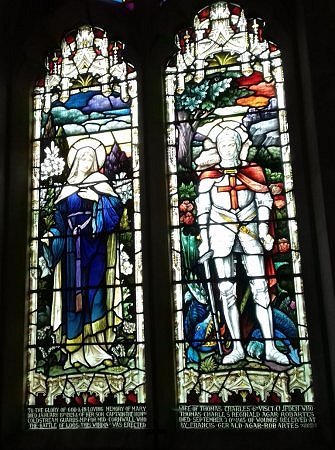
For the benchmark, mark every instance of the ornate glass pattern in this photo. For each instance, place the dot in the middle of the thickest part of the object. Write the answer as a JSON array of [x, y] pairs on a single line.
[[241, 346], [85, 341]]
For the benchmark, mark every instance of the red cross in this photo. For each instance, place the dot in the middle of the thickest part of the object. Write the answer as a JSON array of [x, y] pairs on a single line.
[[232, 188]]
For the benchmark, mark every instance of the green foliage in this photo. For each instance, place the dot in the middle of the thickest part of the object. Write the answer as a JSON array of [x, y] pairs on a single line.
[[229, 97], [266, 156], [213, 92], [218, 87], [208, 105], [208, 364], [187, 191], [127, 309], [229, 74], [47, 211], [42, 284], [252, 152], [192, 97], [282, 229], [273, 177], [281, 214], [126, 238], [190, 250]]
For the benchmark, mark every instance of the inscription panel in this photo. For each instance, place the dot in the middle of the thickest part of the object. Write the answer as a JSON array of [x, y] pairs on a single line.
[[247, 417], [130, 417]]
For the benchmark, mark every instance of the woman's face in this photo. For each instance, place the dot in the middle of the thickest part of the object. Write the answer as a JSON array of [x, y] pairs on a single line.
[[86, 159]]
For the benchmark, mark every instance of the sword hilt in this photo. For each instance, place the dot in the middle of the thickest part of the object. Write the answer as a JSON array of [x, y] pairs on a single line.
[[206, 256]]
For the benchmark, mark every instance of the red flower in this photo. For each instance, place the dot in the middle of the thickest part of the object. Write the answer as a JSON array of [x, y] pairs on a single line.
[[186, 205], [77, 400], [131, 398], [276, 188], [187, 219], [215, 399], [283, 245], [93, 400], [279, 201]]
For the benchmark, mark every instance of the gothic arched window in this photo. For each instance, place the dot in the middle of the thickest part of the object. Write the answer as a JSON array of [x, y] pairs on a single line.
[[86, 326], [241, 333]]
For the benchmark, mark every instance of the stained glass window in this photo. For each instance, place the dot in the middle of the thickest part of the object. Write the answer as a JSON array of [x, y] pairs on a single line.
[[241, 345], [85, 341]]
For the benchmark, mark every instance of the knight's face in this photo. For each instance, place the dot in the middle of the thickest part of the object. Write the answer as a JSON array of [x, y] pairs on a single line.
[[228, 148]]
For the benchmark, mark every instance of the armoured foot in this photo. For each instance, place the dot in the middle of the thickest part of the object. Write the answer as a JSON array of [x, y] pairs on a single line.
[[276, 356], [233, 357]]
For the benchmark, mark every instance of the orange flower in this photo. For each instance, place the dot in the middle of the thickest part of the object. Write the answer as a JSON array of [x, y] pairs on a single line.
[[254, 101], [264, 89]]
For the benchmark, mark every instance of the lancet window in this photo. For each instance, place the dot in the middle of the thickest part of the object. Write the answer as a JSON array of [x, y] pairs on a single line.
[[238, 297]]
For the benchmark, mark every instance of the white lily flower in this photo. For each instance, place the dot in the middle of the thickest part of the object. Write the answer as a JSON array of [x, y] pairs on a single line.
[[52, 164]]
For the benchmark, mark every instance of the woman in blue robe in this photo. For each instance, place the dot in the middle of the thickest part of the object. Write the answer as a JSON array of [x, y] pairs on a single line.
[[87, 212]]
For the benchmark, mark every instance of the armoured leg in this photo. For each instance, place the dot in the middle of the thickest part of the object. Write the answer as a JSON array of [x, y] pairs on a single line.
[[264, 316], [225, 268]]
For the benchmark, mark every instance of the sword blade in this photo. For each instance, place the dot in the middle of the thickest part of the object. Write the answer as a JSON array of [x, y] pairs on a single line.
[[212, 302]]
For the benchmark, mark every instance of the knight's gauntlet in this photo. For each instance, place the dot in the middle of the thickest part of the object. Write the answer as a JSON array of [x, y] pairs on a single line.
[[204, 240]]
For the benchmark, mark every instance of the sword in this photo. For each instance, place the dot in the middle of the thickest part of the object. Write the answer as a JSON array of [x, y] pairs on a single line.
[[205, 261]]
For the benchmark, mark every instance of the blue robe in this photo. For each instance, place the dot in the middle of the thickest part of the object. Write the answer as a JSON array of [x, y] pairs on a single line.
[[80, 233]]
